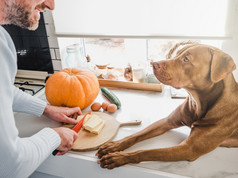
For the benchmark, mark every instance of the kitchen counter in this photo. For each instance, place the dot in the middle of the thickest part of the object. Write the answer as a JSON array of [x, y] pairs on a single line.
[[142, 105]]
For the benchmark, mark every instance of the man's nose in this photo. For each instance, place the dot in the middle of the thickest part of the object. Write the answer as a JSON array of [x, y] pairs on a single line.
[[50, 4]]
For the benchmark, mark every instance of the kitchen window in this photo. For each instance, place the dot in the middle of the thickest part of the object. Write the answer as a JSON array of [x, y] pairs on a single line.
[[124, 32], [121, 51]]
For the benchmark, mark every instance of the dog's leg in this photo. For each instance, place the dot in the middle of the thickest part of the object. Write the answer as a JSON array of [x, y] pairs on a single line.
[[174, 120], [155, 129], [190, 149], [232, 141], [117, 159]]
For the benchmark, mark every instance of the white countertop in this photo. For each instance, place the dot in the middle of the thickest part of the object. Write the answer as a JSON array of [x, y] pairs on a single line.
[[148, 107]]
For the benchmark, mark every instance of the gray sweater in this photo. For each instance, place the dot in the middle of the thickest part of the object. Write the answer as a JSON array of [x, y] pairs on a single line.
[[19, 156]]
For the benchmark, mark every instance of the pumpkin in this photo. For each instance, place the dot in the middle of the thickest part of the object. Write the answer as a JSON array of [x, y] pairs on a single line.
[[72, 87]]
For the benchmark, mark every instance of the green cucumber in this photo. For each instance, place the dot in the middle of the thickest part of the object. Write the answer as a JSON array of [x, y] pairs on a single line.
[[111, 97]]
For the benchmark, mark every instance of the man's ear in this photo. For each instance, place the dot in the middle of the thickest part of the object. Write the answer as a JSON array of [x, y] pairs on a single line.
[[222, 64]]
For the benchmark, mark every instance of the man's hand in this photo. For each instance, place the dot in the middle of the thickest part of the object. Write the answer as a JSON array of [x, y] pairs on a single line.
[[62, 114], [68, 137]]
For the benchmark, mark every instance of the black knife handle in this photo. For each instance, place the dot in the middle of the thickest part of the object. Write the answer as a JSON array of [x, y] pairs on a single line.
[[55, 152]]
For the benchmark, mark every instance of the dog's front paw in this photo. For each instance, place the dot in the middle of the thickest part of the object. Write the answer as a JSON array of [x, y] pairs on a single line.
[[109, 148], [113, 160]]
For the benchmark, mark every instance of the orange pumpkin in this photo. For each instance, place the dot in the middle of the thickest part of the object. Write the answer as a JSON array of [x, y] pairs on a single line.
[[72, 87]]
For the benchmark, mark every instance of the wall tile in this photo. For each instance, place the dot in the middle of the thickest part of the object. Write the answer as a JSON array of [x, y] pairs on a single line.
[[52, 53], [52, 39], [57, 65]]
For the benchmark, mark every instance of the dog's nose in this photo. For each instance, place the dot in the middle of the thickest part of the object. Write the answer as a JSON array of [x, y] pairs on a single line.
[[156, 65]]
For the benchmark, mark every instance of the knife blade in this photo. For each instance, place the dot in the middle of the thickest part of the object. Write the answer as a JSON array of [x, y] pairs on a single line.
[[76, 128]]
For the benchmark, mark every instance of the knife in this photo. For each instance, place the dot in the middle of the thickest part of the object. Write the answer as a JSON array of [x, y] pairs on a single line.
[[76, 128]]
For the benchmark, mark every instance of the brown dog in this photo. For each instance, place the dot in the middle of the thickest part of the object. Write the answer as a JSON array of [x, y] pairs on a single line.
[[210, 110]]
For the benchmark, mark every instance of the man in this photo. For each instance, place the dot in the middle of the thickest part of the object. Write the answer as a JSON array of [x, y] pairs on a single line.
[[21, 156]]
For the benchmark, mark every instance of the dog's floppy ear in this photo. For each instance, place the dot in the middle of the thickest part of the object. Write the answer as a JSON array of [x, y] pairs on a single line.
[[222, 64]]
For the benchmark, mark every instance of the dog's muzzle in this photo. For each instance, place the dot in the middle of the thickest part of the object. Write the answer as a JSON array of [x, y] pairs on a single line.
[[159, 69]]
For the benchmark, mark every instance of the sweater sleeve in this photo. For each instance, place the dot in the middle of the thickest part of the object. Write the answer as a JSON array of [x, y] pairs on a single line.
[[24, 102], [19, 157], [24, 155]]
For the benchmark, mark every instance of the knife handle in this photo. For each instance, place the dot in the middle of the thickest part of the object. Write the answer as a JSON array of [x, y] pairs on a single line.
[[76, 128], [55, 152]]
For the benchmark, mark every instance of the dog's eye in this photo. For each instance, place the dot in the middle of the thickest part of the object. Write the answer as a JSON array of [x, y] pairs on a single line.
[[186, 59]]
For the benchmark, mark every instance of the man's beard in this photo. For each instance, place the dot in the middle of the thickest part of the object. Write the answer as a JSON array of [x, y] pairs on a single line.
[[20, 16]]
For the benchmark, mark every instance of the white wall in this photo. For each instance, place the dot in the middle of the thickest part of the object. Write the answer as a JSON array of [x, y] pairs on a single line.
[[231, 46]]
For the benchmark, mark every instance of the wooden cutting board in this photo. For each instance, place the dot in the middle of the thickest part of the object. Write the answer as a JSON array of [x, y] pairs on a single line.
[[88, 141]]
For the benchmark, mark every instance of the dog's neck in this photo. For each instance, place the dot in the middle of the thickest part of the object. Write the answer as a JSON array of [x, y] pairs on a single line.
[[204, 99], [230, 84]]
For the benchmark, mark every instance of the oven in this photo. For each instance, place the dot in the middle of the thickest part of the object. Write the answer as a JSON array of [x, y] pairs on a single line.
[[31, 82]]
